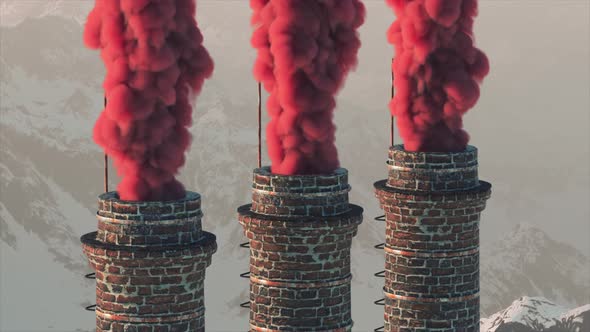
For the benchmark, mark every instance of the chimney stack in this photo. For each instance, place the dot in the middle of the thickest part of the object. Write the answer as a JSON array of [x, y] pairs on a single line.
[[432, 203], [300, 229], [150, 260]]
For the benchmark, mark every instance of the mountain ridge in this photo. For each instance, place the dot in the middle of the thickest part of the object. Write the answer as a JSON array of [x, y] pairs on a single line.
[[51, 175], [536, 313]]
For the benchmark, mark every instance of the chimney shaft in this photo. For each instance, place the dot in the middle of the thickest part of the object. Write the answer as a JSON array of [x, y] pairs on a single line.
[[300, 229], [432, 203], [150, 260]]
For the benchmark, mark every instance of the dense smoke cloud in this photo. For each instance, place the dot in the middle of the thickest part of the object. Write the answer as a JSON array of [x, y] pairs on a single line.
[[437, 71], [155, 63], [305, 51]]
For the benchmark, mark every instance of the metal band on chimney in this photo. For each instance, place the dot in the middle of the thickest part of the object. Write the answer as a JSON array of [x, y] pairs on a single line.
[[271, 283], [431, 299], [342, 329], [147, 319], [431, 254]]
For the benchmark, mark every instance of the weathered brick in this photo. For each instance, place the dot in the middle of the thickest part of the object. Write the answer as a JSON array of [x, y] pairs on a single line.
[[148, 282], [442, 193], [300, 250]]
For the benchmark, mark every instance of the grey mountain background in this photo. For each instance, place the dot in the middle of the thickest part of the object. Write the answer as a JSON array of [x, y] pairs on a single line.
[[531, 126], [534, 314]]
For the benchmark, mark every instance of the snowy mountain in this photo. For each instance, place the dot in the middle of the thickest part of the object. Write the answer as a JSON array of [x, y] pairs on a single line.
[[534, 314], [51, 175], [13, 12], [527, 262]]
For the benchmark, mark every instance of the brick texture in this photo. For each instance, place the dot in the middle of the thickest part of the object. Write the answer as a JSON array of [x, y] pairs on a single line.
[[300, 255], [300, 195], [432, 204], [150, 260], [432, 171], [149, 223]]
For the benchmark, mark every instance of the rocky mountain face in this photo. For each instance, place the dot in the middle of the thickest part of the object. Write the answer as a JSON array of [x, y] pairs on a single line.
[[535, 314], [527, 262], [51, 175]]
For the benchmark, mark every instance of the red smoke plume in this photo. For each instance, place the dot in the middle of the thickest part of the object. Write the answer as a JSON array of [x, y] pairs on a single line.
[[305, 50], [437, 72], [155, 61]]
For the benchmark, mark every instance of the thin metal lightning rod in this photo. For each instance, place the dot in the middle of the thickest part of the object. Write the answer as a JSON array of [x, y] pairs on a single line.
[[381, 246], [392, 129], [106, 163], [259, 125], [92, 275], [246, 244]]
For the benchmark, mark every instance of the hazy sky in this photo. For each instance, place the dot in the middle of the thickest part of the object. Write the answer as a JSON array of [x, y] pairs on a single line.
[[531, 123], [531, 126]]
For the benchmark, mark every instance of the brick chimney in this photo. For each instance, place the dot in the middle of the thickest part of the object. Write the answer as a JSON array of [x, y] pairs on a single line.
[[432, 203], [150, 260], [300, 230]]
